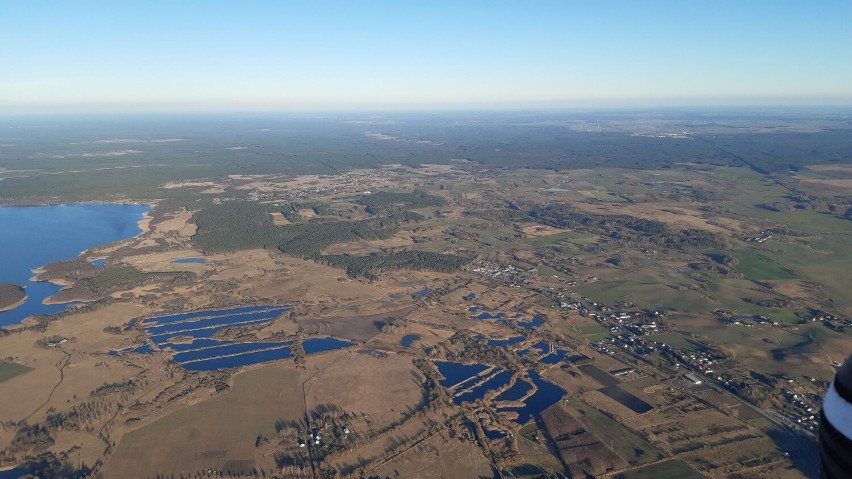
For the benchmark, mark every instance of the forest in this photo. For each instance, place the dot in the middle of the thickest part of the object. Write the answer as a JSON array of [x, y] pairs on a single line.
[[385, 202], [240, 225], [626, 228], [367, 266], [235, 225], [11, 294]]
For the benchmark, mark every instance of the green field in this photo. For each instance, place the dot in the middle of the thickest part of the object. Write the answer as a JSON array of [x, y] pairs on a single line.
[[594, 332], [672, 469], [10, 370], [758, 267], [648, 290], [548, 272]]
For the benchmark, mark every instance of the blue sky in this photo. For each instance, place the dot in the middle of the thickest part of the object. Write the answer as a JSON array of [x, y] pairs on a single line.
[[287, 55]]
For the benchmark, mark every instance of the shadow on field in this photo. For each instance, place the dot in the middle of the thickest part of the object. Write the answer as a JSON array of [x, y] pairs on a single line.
[[803, 450]]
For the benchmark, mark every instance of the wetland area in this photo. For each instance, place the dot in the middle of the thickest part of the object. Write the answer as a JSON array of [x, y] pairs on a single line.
[[434, 305]]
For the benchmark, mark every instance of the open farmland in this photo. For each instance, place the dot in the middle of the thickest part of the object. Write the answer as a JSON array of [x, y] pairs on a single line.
[[187, 440], [447, 313]]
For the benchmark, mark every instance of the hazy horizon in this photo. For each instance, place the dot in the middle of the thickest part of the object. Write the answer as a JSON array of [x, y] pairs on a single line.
[[338, 56]]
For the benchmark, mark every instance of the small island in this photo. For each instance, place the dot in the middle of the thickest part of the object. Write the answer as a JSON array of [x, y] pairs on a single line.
[[11, 296]]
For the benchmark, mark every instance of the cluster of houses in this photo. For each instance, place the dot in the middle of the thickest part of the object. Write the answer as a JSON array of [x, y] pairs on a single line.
[[315, 437], [511, 275], [806, 408]]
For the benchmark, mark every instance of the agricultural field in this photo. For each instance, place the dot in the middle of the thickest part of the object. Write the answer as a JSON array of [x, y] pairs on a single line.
[[9, 370], [632, 309]]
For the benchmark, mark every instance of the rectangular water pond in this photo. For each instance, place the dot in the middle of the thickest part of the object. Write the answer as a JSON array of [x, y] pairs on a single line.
[[318, 345], [225, 349], [518, 390], [201, 332], [220, 321], [455, 373], [499, 380], [171, 318], [239, 360], [189, 261]]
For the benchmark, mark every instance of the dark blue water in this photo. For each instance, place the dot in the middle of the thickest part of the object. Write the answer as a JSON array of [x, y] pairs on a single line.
[[189, 261], [203, 331], [497, 381], [473, 309], [517, 391], [240, 360], [33, 236], [469, 296], [555, 357], [144, 349], [542, 346], [421, 293], [194, 345], [99, 262], [506, 342], [14, 473], [494, 434], [408, 339], [535, 322], [172, 318], [455, 373], [489, 316], [522, 352], [281, 351], [219, 321], [318, 345], [546, 395], [225, 350]]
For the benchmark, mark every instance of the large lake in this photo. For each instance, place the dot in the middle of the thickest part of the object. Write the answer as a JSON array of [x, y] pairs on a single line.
[[32, 236]]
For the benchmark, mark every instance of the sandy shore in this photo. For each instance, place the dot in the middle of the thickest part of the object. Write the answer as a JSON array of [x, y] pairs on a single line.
[[145, 223], [50, 300]]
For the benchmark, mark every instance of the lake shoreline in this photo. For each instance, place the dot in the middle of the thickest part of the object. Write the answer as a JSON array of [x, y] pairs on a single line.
[[50, 236], [14, 305]]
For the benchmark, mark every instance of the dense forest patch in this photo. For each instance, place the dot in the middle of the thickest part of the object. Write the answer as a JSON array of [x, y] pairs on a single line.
[[384, 202], [11, 294], [235, 225], [367, 266]]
